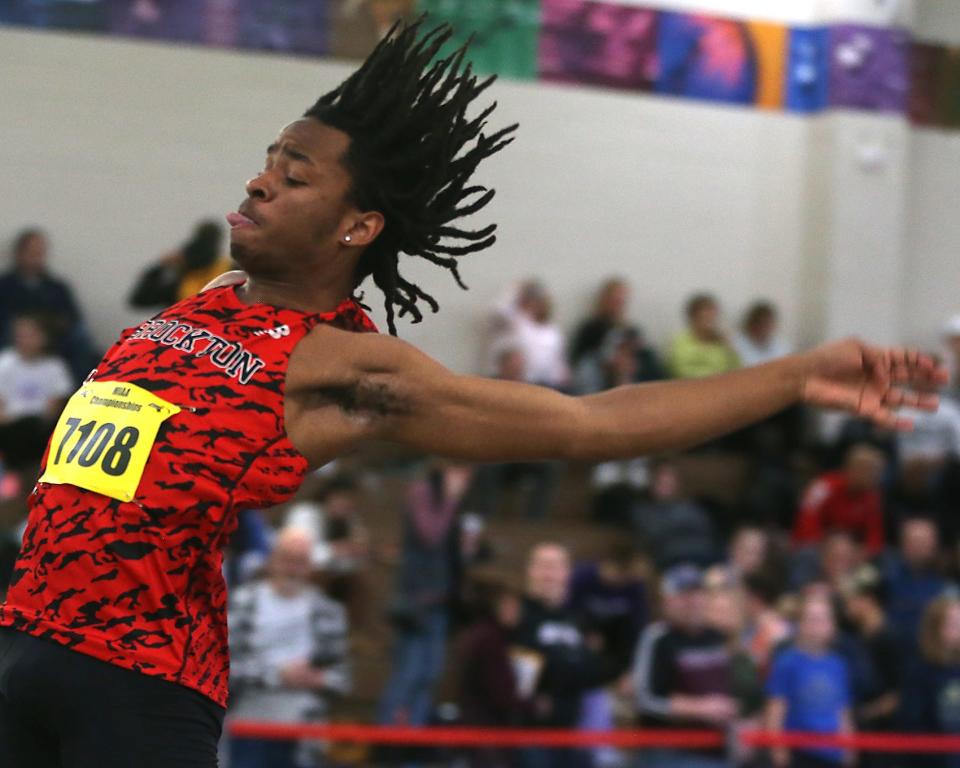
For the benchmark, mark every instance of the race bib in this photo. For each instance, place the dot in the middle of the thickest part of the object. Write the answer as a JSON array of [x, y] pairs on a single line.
[[104, 436]]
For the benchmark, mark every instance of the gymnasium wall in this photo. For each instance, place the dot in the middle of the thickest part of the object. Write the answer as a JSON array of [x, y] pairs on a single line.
[[932, 244], [118, 147]]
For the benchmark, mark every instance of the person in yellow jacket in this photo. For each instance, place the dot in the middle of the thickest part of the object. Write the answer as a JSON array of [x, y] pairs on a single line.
[[701, 350], [183, 272]]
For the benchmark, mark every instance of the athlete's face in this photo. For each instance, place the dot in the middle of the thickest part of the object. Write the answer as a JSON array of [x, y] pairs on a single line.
[[298, 210]]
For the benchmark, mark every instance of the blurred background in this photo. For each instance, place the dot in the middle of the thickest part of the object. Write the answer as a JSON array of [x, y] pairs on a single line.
[[697, 185]]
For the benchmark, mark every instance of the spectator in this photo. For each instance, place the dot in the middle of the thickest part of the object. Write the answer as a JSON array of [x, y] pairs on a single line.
[[701, 350], [288, 644], [864, 597], [556, 665], [951, 339], [672, 528], [726, 612], [682, 671], [609, 597], [425, 584], [609, 314], [765, 628], [931, 697], [524, 322], [913, 576], [29, 289], [749, 552], [757, 342], [183, 272], [341, 552], [809, 690], [607, 350], [536, 480], [489, 696], [34, 385], [847, 500]]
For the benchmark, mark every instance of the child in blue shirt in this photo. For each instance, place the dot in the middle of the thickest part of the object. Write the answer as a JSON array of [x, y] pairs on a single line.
[[809, 690]]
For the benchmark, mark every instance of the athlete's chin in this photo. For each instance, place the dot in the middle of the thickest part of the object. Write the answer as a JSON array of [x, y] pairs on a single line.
[[245, 255]]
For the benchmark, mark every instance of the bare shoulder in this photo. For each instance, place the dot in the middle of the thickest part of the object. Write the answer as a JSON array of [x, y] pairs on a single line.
[[329, 355], [361, 374]]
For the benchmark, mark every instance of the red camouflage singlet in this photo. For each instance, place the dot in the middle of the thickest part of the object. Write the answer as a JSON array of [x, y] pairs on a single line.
[[139, 584]]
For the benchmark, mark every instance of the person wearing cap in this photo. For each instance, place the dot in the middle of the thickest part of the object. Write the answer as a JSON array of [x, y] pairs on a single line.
[[864, 595], [682, 670]]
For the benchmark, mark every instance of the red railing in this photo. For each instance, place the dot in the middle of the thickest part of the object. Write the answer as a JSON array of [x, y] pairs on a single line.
[[540, 737]]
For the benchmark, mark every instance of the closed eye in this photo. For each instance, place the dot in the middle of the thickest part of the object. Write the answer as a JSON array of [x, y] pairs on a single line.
[[295, 182]]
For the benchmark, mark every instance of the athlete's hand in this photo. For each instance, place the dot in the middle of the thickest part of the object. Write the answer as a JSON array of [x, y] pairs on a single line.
[[872, 382], [233, 277]]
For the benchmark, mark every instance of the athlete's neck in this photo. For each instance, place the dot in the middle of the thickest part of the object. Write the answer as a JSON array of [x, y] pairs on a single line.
[[304, 296]]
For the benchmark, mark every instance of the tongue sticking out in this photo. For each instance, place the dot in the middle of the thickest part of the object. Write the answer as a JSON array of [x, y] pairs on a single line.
[[239, 220]]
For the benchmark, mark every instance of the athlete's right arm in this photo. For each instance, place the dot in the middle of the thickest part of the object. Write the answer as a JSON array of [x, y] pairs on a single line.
[[344, 389]]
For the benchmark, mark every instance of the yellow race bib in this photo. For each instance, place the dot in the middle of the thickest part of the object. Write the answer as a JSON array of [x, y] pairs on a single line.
[[104, 436]]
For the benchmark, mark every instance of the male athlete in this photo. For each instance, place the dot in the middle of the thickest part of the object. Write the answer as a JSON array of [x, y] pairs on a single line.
[[113, 642]]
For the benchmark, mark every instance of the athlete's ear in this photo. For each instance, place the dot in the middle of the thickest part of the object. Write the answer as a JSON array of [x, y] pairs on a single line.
[[362, 228]]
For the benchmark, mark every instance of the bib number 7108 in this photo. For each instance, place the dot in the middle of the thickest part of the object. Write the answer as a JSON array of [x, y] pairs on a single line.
[[99, 440], [104, 437]]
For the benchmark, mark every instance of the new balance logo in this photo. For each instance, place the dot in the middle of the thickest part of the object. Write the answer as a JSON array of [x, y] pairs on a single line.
[[275, 333]]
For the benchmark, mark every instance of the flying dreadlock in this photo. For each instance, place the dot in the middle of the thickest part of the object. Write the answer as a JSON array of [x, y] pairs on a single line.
[[412, 152]]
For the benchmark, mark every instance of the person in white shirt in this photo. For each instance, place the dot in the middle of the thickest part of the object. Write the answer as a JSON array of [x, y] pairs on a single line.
[[34, 385], [758, 342], [524, 322], [289, 646]]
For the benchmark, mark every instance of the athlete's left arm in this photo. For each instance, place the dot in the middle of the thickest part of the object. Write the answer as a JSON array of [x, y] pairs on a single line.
[[401, 395]]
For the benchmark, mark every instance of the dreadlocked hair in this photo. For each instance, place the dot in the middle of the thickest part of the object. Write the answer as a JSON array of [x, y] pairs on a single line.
[[412, 153]]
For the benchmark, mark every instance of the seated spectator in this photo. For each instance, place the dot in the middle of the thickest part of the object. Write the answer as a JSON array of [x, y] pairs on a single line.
[[826, 568], [863, 598], [750, 552], [341, 551], [932, 689], [29, 289], [765, 628], [524, 322], [609, 596], [536, 480], [951, 340], [488, 691], [758, 342], [809, 689], [609, 314], [682, 675], [183, 272], [673, 528], [848, 500], [555, 663], [34, 385], [912, 576], [288, 647], [701, 350], [607, 350], [726, 612], [420, 609]]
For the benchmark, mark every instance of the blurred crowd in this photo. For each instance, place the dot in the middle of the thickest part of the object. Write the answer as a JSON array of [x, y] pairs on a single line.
[[800, 575]]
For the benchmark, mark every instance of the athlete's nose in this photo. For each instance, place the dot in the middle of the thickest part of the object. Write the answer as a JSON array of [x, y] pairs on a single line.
[[259, 187]]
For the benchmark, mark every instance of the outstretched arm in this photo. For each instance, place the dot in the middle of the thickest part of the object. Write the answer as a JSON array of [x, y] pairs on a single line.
[[394, 392]]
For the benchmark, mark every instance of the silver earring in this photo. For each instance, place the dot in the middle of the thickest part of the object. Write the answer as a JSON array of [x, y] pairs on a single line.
[[347, 238]]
